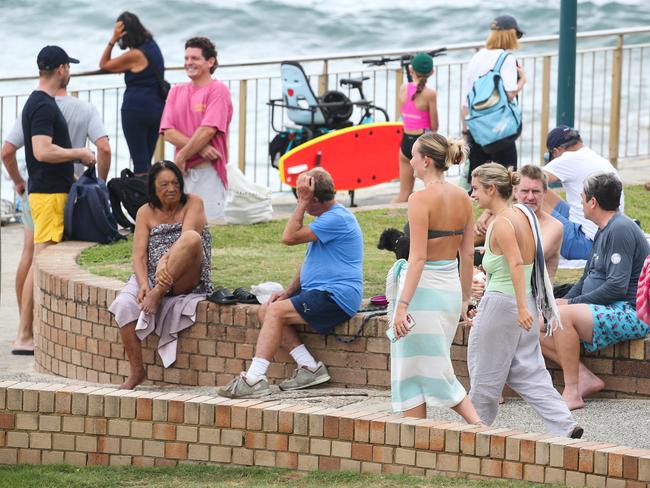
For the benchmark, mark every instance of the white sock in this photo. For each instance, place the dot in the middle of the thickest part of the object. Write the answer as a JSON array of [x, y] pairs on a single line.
[[257, 369], [303, 357]]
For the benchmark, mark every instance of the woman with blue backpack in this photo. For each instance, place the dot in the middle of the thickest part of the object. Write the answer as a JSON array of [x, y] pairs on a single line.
[[491, 118]]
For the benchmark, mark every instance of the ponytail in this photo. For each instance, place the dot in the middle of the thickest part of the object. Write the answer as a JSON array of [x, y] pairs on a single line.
[[442, 150], [421, 84]]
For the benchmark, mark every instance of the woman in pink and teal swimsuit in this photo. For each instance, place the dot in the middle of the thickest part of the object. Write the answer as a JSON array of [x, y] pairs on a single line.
[[420, 114]]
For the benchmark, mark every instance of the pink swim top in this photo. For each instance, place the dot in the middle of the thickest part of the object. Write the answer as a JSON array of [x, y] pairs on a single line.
[[413, 117]]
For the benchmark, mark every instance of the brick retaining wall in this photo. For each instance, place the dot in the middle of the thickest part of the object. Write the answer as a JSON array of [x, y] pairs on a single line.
[[45, 424], [77, 338]]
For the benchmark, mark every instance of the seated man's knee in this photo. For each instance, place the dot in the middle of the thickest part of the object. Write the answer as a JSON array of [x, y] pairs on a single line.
[[276, 311], [261, 312]]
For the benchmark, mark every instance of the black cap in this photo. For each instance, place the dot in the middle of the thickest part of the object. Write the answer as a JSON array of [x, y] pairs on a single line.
[[505, 22], [51, 57], [560, 136]]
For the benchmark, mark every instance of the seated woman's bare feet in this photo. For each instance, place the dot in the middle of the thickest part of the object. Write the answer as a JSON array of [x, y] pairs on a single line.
[[135, 378], [23, 346], [573, 399], [152, 300], [589, 383]]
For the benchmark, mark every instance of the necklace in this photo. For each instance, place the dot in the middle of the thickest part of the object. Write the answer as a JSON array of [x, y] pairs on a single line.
[[434, 182]]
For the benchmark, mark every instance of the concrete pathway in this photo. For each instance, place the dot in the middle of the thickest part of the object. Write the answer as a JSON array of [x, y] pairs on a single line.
[[624, 422]]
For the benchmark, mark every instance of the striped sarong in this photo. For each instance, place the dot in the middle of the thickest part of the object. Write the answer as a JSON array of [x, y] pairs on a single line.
[[421, 368]]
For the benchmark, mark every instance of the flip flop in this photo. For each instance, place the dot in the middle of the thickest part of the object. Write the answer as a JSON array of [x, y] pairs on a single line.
[[222, 296], [244, 296], [22, 352]]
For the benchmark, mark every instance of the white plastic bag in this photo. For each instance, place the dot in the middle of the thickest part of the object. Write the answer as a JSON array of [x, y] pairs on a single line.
[[246, 202], [263, 291]]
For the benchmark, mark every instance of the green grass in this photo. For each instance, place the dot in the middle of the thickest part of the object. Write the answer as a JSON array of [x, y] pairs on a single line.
[[192, 476], [245, 255]]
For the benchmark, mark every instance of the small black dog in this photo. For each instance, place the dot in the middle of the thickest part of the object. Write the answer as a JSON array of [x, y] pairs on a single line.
[[396, 241]]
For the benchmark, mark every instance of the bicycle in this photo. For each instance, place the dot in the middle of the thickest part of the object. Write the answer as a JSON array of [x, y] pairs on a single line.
[[404, 59]]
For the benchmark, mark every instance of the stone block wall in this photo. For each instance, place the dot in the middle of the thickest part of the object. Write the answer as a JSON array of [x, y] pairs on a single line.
[[77, 338], [46, 424]]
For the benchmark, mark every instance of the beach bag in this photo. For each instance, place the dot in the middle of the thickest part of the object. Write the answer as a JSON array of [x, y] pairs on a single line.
[[246, 202], [128, 192], [643, 293], [87, 213], [493, 121]]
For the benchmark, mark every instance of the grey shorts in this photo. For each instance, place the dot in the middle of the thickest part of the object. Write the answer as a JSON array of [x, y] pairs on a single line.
[[26, 216]]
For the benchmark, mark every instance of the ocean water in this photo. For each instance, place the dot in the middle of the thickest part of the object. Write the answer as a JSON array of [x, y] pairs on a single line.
[[249, 30], [261, 29]]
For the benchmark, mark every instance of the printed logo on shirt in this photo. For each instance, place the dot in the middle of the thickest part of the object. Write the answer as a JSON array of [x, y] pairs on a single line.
[[199, 107], [616, 258]]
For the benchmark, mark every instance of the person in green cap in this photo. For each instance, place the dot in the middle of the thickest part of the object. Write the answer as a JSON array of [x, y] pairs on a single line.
[[419, 108]]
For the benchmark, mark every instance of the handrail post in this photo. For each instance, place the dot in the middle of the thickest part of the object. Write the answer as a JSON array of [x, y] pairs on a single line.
[[546, 96], [615, 111], [399, 79], [243, 91], [323, 79]]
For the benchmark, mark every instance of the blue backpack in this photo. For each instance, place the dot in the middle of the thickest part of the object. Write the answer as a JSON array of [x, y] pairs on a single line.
[[87, 214], [492, 119]]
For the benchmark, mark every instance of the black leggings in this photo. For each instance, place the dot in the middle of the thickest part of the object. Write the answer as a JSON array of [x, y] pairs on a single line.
[[141, 129], [477, 156]]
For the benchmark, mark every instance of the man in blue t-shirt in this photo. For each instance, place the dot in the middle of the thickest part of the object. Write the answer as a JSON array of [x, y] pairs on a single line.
[[600, 309], [326, 291]]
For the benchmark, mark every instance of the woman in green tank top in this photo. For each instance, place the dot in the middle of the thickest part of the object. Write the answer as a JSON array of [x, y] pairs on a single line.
[[504, 343]]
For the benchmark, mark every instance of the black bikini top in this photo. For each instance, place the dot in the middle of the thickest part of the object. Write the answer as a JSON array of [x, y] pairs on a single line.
[[434, 234]]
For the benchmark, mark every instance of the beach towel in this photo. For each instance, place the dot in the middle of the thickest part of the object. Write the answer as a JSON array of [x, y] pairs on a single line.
[[421, 368], [542, 286], [176, 313], [643, 293]]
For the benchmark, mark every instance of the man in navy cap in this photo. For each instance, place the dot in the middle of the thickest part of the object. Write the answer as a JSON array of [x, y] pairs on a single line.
[[50, 166], [571, 162]]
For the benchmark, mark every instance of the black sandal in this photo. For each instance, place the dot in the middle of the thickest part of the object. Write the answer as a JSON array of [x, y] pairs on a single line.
[[244, 296], [222, 296]]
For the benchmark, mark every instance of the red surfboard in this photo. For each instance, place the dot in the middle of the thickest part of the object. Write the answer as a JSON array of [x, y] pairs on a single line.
[[356, 157]]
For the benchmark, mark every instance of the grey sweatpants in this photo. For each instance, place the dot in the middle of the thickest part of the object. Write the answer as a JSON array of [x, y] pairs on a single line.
[[500, 352]]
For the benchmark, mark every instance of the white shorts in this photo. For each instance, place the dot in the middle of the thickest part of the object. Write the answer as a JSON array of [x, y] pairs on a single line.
[[206, 183]]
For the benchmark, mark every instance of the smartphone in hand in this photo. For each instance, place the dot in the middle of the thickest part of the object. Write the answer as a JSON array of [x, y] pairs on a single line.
[[390, 333]]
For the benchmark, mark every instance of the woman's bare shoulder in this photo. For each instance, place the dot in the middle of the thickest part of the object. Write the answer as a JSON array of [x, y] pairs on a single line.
[[194, 200]]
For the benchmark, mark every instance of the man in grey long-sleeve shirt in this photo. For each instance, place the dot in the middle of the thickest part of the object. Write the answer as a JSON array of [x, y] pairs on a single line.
[[600, 309]]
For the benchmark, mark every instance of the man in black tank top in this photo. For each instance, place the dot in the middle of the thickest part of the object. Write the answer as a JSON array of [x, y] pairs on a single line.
[[50, 168]]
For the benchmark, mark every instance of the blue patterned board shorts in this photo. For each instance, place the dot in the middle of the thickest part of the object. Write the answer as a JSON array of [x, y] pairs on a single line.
[[615, 323]]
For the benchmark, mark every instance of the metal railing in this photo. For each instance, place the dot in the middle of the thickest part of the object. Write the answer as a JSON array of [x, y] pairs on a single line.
[[612, 96]]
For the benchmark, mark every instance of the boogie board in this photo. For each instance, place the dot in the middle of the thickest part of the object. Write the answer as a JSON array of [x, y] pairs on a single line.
[[356, 157]]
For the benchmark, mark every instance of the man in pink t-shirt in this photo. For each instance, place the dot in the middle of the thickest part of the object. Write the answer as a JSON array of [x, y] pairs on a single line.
[[196, 120]]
